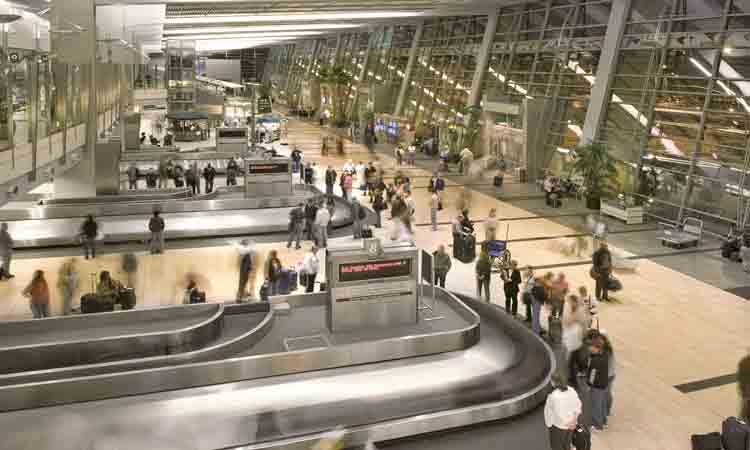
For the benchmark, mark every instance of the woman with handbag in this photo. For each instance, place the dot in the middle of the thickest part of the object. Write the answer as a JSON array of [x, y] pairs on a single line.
[[483, 270]]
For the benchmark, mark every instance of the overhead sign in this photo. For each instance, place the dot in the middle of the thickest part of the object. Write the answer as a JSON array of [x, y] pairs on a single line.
[[264, 105]]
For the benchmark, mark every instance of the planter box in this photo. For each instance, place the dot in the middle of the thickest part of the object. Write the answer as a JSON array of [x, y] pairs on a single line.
[[630, 215]]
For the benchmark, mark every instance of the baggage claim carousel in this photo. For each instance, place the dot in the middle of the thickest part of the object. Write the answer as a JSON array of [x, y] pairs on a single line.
[[253, 376]]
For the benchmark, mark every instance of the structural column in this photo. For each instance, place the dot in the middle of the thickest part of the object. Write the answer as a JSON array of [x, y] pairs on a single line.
[[605, 71], [483, 60], [363, 70], [409, 70]]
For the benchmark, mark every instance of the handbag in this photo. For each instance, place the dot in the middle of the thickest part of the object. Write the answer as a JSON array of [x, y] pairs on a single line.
[[593, 274], [440, 205], [581, 438]]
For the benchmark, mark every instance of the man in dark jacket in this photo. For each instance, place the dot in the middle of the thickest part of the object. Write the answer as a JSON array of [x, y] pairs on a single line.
[[330, 180], [89, 231], [209, 173], [597, 379], [296, 226], [601, 270], [310, 211], [232, 171], [443, 265], [191, 178], [156, 227]]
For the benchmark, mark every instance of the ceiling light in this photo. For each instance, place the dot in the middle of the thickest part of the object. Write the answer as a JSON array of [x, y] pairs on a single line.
[[297, 27], [199, 37], [238, 18]]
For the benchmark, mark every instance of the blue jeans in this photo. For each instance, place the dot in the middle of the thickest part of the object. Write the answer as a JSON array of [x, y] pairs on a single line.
[[598, 407], [536, 309], [610, 399]]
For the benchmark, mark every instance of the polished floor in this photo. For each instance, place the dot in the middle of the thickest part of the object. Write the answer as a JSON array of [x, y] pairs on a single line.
[[668, 328]]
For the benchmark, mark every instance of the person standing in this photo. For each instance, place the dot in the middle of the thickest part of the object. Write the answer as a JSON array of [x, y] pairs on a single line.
[[38, 294], [527, 294], [309, 173], [163, 175], [209, 173], [330, 179], [89, 232], [156, 227], [412, 155], [435, 206], [322, 218], [132, 177], [311, 210], [483, 271], [601, 270], [378, 205], [360, 216], [511, 287], [490, 226], [67, 282], [246, 269], [597, 378], [437, 184], [609, 398], [191, 178], [296, 226], [232, 170], [273, 273], [561, 412], [311, 266], [6, 252], [443, 265], [347, 183], [359, 170]]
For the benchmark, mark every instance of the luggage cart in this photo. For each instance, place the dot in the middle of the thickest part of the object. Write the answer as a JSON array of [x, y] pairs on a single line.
[[499, 253]]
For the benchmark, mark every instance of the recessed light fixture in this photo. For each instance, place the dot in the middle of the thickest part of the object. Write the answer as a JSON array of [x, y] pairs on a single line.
[[201, 37], [241, 18], [259, 28]]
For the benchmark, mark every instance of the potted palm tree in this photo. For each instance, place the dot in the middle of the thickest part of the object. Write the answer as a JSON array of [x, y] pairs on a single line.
[[337, 83], [597, 168]]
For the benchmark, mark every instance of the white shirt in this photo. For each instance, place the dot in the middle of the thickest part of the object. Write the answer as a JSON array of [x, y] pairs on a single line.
[[311, 263], [562, 409], [322, 217], [411, 205]]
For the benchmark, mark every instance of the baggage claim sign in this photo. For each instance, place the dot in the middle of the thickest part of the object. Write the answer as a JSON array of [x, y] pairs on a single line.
[[363, 271]]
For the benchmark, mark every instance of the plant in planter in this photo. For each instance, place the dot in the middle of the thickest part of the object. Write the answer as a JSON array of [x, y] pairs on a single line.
[[596, 166], [337, 83]]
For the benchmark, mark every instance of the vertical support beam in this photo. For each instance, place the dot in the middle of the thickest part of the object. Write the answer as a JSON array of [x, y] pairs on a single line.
[[34, 103], [409, 70], [317, 45], [605, 71], [7, 70], [363, 71], [66, 111], [337, 51], [292, 62], [483, 61], [706, 104]]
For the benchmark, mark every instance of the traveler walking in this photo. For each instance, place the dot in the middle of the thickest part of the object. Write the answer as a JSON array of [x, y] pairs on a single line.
[[322, 218], [483, 271], [601, 271], [412, 154], [296, 226], [330, 179], [38, 294], [435, 206], [465, 159], [163, 175], [539, 296], [309, 173], [89, 232], [209, 173], [399, 153], [67, 283], [359, 171], [6, 252], [437, 184], [232, 170], [511, 287], [310, 268], [246, 269], [178, 173], [574, 325], [156, 227], [296, 159], [191, 178], [561, 412], [609, 398], [273, 272], [347, 183], [557, 291], [311, 210], [597, 377], [132, 177], [490, 226], [443, 263]]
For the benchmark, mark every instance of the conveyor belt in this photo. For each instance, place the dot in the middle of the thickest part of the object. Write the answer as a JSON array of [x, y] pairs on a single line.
[[504, 374]]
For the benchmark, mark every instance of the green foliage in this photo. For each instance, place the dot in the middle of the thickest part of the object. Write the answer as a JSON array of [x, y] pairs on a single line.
[[596, 166], [470, 125], [337, 82]]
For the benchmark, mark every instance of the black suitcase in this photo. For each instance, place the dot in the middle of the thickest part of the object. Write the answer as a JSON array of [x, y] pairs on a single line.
[[581, 438], [735, 434], [497, 181], [89, 304], [465, 248], [126, 298], [710, 441]]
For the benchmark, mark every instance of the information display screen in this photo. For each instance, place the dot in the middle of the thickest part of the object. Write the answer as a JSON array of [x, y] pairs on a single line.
[[268, 168], [232, 133], [362, 271]]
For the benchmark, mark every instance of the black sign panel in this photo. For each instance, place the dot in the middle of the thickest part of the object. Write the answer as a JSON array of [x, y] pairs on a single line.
[[363, 271], [232, 133], [264, 105], [427, 273], [268, 168]]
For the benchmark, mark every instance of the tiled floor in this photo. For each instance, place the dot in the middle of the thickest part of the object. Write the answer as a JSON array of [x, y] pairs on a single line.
[[667, 326]]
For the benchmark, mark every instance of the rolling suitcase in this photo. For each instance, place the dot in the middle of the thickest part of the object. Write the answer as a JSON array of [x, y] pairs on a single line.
[[263, 293], [735, 434], [293, 277], [284, 282], [126, 298], [466, 249], [710, 441], [89, 304]]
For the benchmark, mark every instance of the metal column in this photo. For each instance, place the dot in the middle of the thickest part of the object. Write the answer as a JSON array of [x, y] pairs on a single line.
[[7, 66], [706, 104], [409, 70], [475, 95], [363, 71], [605, 71]]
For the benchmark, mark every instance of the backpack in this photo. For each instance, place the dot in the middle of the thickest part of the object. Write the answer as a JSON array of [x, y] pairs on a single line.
[[156, 225], [362, 214], [90, 228]]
